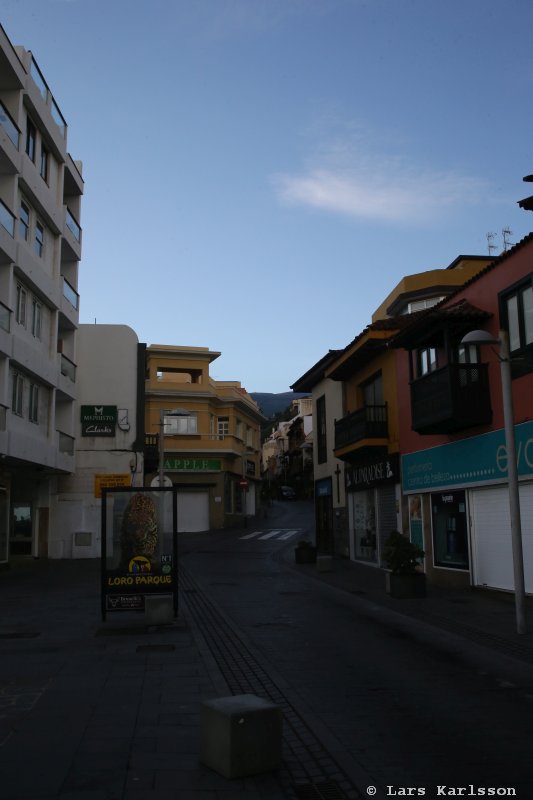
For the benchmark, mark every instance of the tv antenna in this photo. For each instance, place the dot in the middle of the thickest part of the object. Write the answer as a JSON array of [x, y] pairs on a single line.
[[506, 232], [490, 243]]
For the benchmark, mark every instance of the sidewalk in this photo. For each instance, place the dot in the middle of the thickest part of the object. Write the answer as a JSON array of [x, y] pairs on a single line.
[[101, 711], [484, 617]]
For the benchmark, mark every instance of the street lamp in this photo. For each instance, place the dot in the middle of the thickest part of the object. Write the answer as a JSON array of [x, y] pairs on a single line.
[[479, 338], [165, 412]]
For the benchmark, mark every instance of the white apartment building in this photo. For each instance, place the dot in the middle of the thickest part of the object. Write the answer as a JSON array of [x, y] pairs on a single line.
[[40, 249]]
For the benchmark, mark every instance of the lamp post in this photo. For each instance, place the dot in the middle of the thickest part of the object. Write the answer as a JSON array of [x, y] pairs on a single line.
[[483, 337], [165, 412]]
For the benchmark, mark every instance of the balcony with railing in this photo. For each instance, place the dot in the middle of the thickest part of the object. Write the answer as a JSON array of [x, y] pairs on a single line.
[[8, 125], [7, 219], [70, 294], [452, 398], [369, 422], [68, 368], [73, 225]]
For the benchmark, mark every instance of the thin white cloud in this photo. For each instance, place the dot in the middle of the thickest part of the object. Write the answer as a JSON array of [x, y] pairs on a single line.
[[385, 191], [223, 18]]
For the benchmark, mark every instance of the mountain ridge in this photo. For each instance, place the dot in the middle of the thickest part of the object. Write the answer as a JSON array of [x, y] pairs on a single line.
[[272, 403]]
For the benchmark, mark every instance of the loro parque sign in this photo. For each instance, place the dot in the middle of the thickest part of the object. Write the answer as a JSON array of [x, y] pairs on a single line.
[[139, 547]]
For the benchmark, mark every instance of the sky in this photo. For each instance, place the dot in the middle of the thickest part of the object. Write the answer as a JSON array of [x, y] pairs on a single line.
[[260, 174]]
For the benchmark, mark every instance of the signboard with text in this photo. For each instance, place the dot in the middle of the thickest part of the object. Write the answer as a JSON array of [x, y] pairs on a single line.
[[475, 461], [98, 420], [374, 472], [139, 547], [192, 464], [110, 481]]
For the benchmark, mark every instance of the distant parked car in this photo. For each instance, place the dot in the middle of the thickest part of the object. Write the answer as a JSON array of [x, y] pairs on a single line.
[[286, 493]]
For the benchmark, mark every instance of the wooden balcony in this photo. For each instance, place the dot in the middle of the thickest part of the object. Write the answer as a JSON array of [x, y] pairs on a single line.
[[450, 399], [369, 422]]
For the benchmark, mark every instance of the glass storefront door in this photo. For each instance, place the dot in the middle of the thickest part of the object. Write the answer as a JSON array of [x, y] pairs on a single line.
[[21, 532], [364, 525], [4, 525], [450, 530]]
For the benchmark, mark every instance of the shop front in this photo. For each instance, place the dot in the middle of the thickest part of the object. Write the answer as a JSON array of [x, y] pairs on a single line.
[[372, 498], [465, 506]]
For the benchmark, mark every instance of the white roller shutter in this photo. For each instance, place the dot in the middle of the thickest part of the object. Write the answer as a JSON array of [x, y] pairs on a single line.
[[491, 536], [193, 512]]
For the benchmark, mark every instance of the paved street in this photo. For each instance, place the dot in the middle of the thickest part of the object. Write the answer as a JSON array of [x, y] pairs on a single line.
[[402, 705], [412, 698]]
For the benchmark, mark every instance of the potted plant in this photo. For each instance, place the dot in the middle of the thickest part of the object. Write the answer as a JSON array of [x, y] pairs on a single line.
[[403, 557], [305, 552]]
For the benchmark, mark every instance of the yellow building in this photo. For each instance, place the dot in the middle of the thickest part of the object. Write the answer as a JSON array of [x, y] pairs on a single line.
[[367, 435], [212, 438]]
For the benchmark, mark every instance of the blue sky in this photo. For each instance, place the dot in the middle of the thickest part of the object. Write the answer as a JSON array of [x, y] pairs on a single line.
[[259, 174]]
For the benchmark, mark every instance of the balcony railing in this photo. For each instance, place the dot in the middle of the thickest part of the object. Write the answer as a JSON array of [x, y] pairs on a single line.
[[5, 318], [450, 399], [369, 422], [68, 368], [9, 126], [71, 294], [47, 96], [66, 443], [7, 220], [72, 225]]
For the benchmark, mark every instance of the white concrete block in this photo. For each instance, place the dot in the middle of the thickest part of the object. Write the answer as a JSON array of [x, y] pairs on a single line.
[[240, 735], [324, 563]]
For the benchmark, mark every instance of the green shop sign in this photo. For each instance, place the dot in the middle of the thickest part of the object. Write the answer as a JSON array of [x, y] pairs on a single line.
[[192, 464], [98, 420], [469, 462]]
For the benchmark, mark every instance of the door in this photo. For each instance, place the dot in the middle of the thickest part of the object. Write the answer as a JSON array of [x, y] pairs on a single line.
[[193, 512], [324, 516], [450, 530], [21, 530], [491, 537], [4, 525]]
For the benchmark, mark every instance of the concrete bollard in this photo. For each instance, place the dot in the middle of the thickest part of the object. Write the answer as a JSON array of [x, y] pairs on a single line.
[[324, 563], [240, 735]]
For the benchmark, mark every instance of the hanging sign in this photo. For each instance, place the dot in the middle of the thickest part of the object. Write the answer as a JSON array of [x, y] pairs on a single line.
[[98, 420]]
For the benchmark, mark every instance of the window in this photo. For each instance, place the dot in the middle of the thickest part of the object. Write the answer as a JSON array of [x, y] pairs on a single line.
[[34, 403], [468, 354], [43, 167], [420, 305], [519, 313], [20, 313], [239, 429], [222, 427], [39, 239], [516, 315], [322, 452], [24, 225], [18, 394], [175, 426], [31, 138], [36, 320], [373, 391], [426, 360]]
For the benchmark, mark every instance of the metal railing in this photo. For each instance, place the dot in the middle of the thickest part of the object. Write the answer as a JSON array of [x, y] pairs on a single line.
[[368, 422]]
